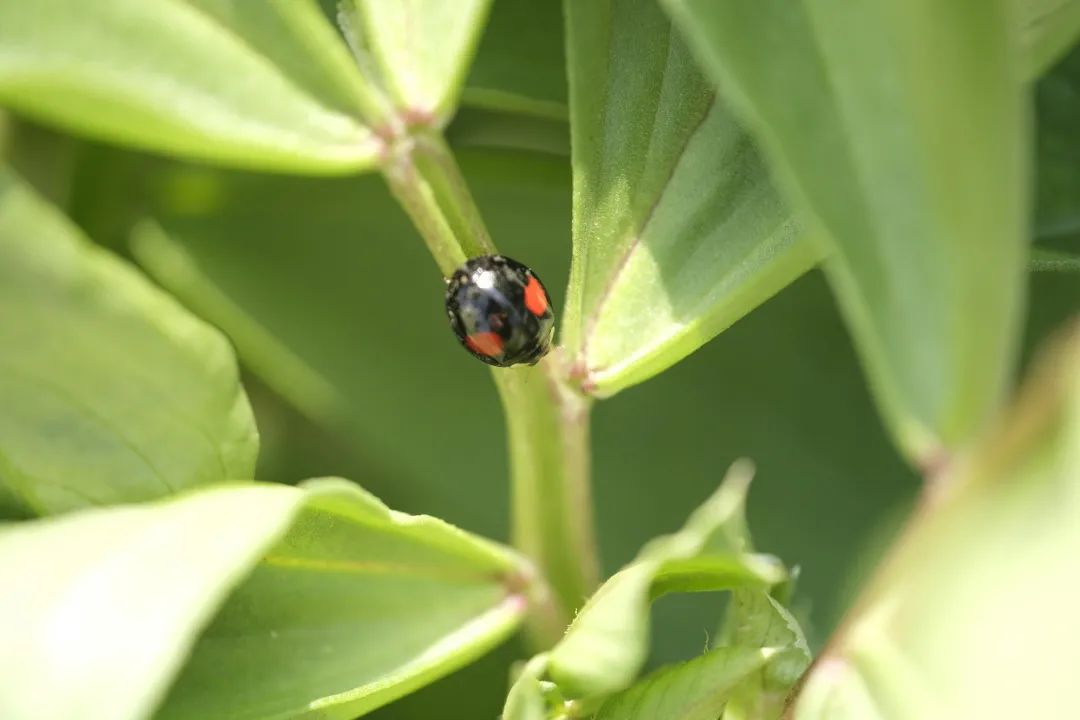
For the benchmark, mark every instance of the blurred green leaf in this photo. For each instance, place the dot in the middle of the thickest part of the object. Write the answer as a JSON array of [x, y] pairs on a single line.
[[261, 85], [607, 644], [525, 701], [983, 590], [756, 620], [677, 230], [1048, 29], [111, 391], [334, 618], [520, 65], [417, 51], [100, 607], [899, 128], [299, 42], [697, 690], [356, 606], [1057, 109]]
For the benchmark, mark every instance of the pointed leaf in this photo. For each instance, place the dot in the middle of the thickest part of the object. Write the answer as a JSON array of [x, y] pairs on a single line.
[[982, 593], [356, 606], [261, 85], [100, 607], [898, 127], [419, 50], [111, 391], [757, 620], [677, 230], [606, 645]]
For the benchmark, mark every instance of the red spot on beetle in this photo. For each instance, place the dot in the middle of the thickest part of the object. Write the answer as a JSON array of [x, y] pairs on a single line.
[[485, 343], [535, 297]]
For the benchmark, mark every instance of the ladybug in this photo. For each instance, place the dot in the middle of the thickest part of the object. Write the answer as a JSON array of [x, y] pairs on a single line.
[[500, 311]]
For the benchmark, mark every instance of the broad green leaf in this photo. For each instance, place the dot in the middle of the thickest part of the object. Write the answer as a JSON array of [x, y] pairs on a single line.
[[756, 620], [974, 615], [356, 606], [607, 644], [111, 391], [697, 690], [520, 65], [100, 607], [678, 232], [328, 605], [1057, 138], [263, 85], [417, 51], [1048, 29], [898, 128]]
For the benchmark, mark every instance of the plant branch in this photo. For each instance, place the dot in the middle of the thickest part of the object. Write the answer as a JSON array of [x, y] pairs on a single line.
[[548, 423]]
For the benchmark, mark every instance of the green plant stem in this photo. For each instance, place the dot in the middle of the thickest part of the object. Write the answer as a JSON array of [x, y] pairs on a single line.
[[417, 196], [547, 421], [435, 163], [548, 427]]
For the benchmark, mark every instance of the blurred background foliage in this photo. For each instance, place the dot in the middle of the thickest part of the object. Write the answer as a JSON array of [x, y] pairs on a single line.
[[336, 311]]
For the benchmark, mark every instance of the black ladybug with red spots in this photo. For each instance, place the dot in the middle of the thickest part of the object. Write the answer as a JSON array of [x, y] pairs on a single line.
[[500, 311]]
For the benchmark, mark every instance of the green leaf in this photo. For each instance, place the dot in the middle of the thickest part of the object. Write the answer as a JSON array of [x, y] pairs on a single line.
[[525, 701], [323, 599], [112, 392], [982, 591], [678, 232], [259, 85], [100, 607], [355, 607], [520, 64], [606, 645], [898, 128], [1057, 108], [696, 690], [757, 620], [417, 51], [1048, 29]]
